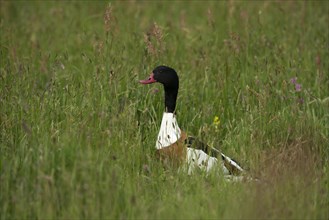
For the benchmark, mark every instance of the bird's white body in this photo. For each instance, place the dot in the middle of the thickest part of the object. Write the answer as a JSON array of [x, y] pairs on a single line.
[[195, 159], [169, 131]]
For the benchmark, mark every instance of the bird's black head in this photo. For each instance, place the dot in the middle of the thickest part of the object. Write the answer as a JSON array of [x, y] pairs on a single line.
[[169, 78]]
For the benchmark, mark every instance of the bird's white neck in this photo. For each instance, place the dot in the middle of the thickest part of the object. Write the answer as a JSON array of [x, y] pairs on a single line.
[[169, 131]]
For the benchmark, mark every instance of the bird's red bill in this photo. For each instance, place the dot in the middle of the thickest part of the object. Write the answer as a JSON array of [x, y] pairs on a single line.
[[149, 80]]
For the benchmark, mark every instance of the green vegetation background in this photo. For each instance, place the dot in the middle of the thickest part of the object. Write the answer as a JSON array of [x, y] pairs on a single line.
[[78, 132]]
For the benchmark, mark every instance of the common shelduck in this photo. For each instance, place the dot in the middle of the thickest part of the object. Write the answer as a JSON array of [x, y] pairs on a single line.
[[173, 145]]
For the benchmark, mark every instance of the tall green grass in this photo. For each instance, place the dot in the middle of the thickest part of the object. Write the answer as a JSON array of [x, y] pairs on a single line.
[[78, 131]]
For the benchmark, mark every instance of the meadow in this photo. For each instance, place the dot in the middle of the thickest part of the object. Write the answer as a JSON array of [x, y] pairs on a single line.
[[77, 130]]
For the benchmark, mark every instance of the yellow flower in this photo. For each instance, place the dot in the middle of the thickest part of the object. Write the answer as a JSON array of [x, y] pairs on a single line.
[[216, 122]]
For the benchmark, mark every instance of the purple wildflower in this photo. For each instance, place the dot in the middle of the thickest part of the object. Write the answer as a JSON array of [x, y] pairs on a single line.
[[293, 80], [298, 87]]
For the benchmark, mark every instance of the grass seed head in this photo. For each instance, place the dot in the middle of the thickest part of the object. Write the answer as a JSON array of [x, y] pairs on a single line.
[[108, 17], [149, 46], [154, 40], [210, 16]]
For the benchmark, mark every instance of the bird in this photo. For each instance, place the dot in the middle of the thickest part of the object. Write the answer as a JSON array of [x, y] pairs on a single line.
[[173, 145]]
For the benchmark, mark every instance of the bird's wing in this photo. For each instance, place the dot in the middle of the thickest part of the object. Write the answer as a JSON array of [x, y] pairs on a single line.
[[230, 164]]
